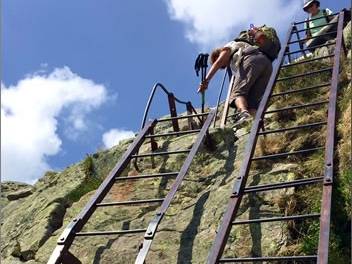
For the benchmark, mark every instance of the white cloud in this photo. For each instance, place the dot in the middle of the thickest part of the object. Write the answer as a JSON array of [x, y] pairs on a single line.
[[114, 136], [212, 22], [29, 119]]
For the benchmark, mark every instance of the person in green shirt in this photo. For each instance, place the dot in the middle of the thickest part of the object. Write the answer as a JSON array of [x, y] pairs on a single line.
[[318, 23]]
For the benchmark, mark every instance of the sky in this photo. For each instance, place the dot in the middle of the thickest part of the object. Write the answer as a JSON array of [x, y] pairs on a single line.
[[76, 75]]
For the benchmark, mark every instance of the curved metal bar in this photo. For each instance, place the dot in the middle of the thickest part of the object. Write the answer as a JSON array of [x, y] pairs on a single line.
[[151, 96]]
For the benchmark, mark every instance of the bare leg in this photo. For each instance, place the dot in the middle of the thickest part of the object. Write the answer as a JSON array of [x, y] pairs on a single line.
[[241, 103]]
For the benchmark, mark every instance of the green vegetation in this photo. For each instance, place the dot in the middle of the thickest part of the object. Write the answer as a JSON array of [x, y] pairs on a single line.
[[90, 183], [31, 225]]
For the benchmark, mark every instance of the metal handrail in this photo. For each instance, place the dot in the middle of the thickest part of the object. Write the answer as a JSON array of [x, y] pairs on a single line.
[[151, 97]]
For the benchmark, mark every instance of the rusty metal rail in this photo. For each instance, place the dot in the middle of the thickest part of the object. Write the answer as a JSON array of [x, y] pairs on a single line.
[[62, 254], [240, 189]]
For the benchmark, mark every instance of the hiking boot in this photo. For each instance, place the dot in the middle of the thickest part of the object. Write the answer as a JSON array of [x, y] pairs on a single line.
[[242, 119]]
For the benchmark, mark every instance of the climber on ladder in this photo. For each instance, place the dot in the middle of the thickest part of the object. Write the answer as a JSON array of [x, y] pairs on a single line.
[[315, 22], [250, 58]]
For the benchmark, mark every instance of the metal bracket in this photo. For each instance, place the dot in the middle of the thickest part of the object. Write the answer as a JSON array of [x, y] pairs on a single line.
[[153, 225], [329, 173]]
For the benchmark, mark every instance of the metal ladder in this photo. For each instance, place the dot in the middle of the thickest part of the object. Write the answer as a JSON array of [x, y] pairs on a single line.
[[240, 189], [62, 254]]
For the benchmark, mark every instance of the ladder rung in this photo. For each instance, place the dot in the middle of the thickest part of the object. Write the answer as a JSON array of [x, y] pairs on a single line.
[[130, 202], [296, 107], [303, 30], [147, 176], [302, 90], [311, 257], [285, 154], [307, 61], [281, 185], [174, 133], [304, 74], [107, 233], [312, 19], [292, 128], [310, 48], [275, 219], [319, 36], [160, 153], [181, 117]]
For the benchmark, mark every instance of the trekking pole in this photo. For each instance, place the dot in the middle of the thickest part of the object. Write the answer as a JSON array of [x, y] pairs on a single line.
[[204, 69], [201, 64]]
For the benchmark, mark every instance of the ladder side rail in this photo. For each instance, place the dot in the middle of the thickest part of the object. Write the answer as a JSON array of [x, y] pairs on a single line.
[[323, 247], [153, 225], [68, 235], [235, 199]]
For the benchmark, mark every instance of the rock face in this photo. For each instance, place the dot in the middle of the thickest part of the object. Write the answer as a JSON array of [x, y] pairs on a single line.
[[33, 217]]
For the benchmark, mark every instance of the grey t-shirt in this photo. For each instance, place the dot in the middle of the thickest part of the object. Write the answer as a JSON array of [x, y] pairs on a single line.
[[234, 47]]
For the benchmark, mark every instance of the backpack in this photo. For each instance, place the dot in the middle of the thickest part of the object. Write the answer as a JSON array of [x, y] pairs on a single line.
[[272, 44], [327, 18]]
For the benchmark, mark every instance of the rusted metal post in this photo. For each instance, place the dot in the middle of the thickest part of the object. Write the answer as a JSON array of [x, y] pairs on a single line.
[[190, 119], [323, 248], [300, 42], [153, 146], [173, 112], [288, 54]]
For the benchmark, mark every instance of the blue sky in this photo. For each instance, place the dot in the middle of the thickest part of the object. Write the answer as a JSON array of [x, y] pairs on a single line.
[[122, 47]]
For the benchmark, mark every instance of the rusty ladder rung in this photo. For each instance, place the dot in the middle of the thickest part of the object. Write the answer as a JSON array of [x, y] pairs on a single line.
[[109, 233], [282, 185], [304, 74], [179, 133], [147, 176], [312, 19], [275, 219], [318, 36], [307, 61], [303, 30], [285, 154], [301, 90], [310, 48], [251, 259], [160, 153], [133, 202], [296, 107], [292, 128]]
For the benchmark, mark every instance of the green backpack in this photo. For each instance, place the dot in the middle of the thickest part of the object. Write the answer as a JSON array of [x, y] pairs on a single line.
[[272, 46]]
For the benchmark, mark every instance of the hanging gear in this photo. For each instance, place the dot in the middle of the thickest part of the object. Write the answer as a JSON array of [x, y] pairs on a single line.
[[201, 64]]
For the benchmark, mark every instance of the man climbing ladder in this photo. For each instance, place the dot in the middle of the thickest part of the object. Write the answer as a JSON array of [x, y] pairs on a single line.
[[249, 56]]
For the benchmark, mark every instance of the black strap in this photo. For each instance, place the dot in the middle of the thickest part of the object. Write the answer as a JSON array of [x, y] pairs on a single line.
[[308, 32]]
